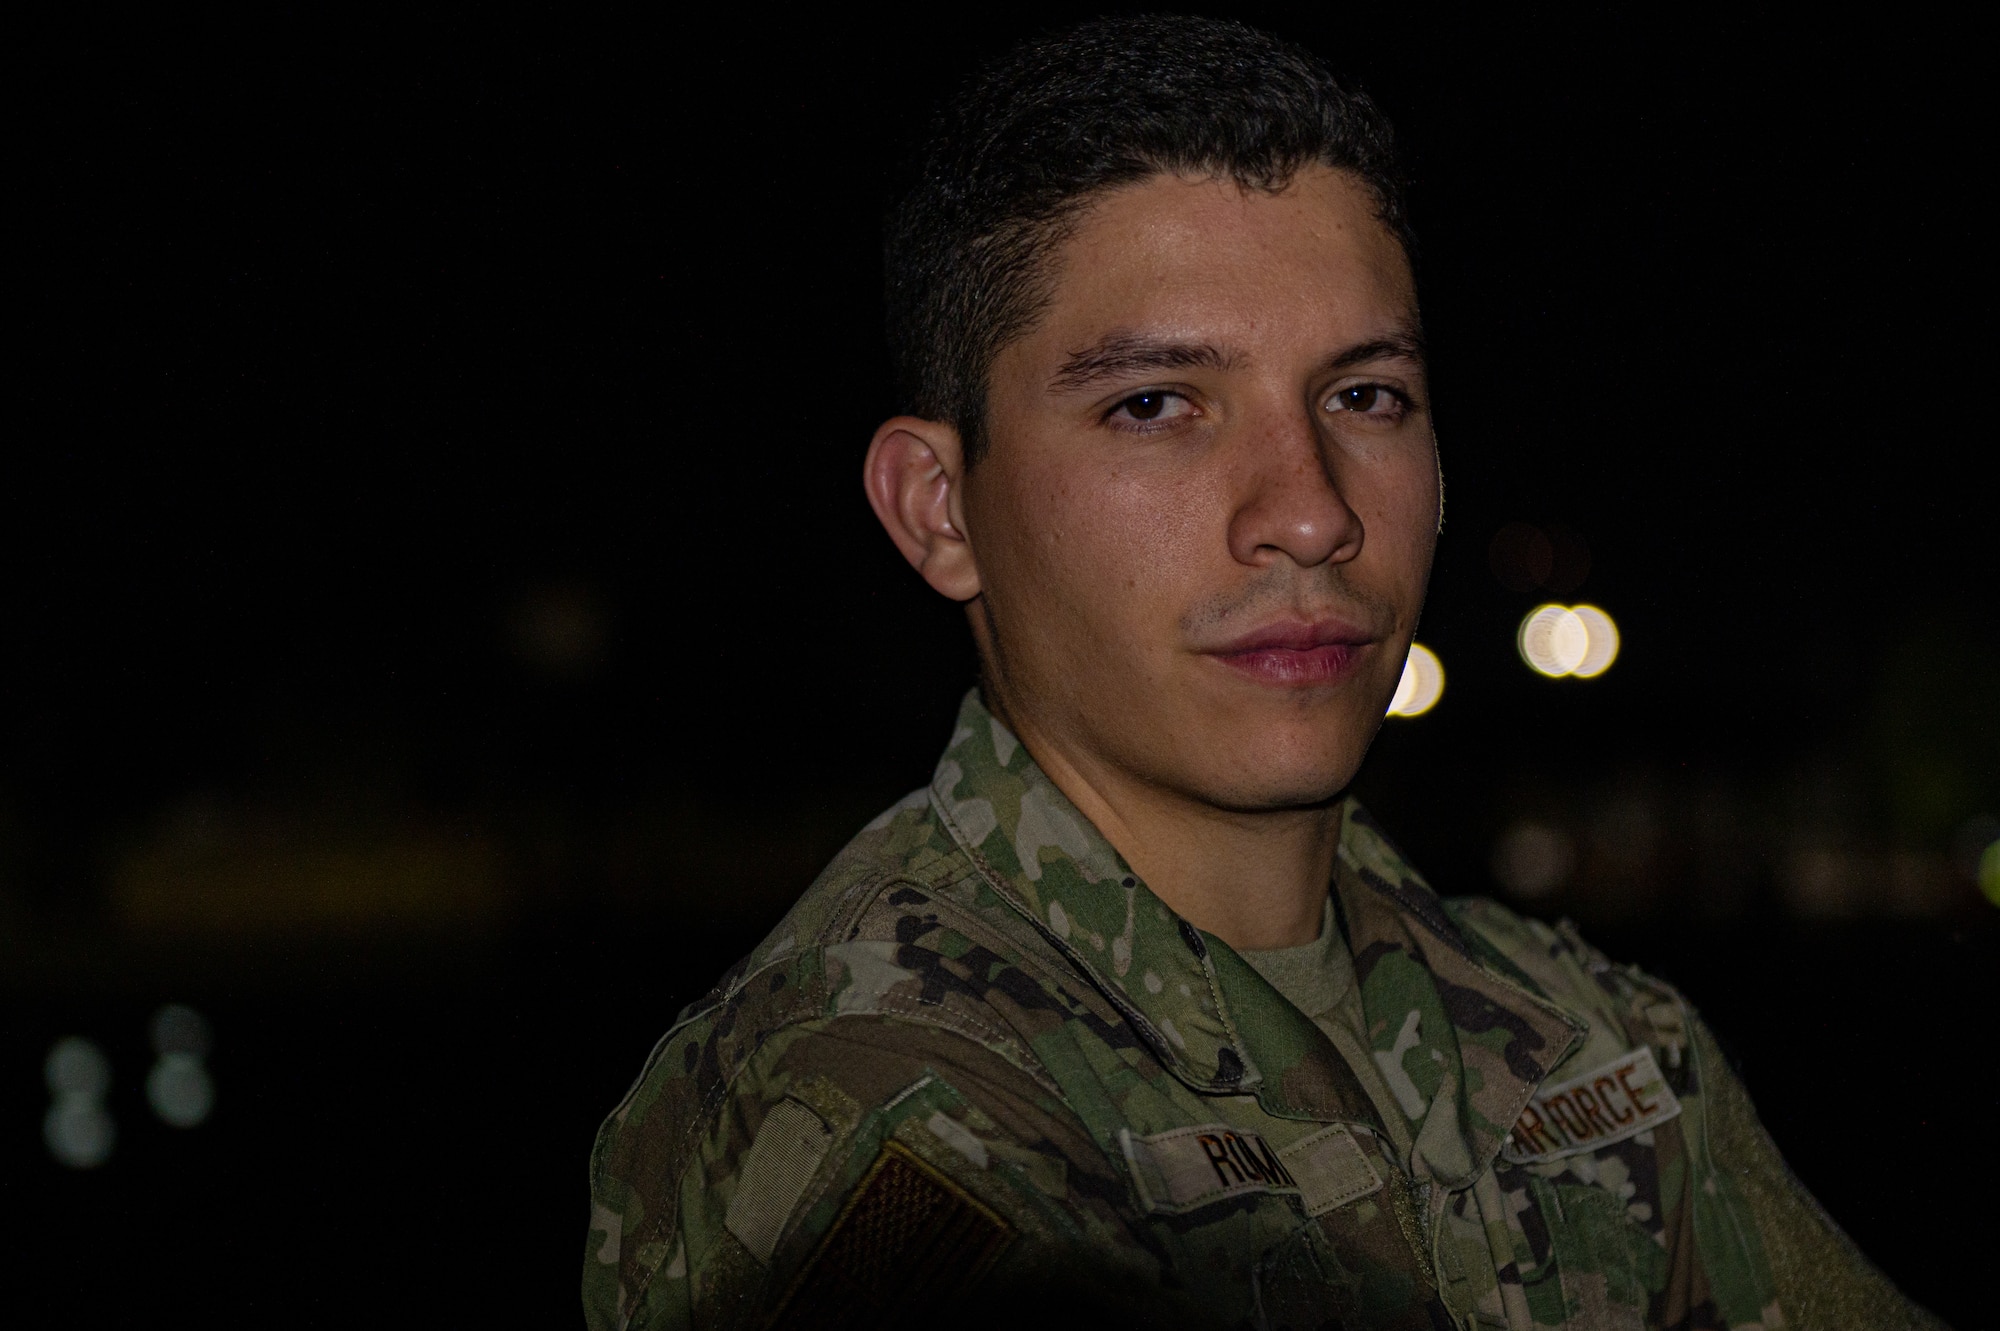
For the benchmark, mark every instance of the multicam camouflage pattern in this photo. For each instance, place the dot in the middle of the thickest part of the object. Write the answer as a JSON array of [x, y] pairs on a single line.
[[980, 993]]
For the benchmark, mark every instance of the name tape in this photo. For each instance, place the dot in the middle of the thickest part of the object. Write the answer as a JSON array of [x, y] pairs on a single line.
[[1193, 1167], [1625, 1097]]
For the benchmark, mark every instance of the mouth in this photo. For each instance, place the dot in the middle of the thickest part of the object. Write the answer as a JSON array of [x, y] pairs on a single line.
[[1294, 654]]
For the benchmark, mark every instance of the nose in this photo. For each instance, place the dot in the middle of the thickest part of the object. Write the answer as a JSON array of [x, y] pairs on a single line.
[[1289, 500]]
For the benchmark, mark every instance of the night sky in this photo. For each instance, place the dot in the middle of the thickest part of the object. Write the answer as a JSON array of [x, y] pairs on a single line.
[[449, 432]]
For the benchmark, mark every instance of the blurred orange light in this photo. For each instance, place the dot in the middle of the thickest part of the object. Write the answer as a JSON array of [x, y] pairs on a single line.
[[1603, 642], [1559, 640], [1422, 683]]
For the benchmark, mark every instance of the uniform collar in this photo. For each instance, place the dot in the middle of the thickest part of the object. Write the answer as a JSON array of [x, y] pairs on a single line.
[[1049, 863], [1480, 1042], [1462, 1037]]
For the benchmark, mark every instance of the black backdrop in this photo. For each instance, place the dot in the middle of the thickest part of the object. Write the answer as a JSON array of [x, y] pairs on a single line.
[[444, 434]]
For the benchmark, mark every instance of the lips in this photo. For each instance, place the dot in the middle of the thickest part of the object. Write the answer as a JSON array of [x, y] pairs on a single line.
[[1295, 654]]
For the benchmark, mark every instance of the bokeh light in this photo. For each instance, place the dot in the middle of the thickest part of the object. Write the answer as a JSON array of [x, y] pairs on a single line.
[[78, 1129], [178, 1029], [75, 1066], [1552, 640], [1559, 640], [1602, 642], [1525, 557], [79, 1133], [179, 1088], [1533, 859], [1422, 683]]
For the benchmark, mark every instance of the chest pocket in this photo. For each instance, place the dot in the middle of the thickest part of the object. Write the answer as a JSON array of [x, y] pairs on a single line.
[[1602, 1265]]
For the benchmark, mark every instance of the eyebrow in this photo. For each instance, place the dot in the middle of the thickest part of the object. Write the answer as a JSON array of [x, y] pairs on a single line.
[[1404, 344], [1121, 353]]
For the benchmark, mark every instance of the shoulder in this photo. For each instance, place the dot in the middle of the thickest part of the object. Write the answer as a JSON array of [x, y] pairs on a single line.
[[893, 986], [1553, 954], [900, 924], [1622, 1003]]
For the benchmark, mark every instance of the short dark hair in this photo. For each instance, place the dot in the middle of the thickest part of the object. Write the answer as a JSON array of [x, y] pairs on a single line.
[[1032, 139]]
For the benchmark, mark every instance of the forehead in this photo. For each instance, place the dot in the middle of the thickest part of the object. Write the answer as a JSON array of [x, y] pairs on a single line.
[[1196, 256]]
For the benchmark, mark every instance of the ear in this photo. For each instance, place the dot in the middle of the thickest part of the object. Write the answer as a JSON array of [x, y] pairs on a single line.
[[914, 476]]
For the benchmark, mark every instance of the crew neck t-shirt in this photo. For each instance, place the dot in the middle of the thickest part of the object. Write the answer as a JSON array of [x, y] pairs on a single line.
[[1318, 979]]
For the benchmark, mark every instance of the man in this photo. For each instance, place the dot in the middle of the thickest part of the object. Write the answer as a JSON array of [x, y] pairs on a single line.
[[1131, 1010]]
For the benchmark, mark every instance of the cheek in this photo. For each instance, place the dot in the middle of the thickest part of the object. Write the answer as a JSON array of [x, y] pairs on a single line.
[[1104, 545], [1151, 530], [1400, 514]]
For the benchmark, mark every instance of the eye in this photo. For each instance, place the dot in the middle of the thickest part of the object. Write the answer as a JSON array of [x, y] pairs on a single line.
[[1152, 407], [1367, 400]]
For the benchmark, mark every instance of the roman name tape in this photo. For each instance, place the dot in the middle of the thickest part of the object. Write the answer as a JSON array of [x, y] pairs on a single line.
[[1192, 1167], [1624, 1098]]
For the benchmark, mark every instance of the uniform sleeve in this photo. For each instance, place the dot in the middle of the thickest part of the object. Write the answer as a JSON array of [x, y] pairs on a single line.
[[860, 1168], [1823, 1281]]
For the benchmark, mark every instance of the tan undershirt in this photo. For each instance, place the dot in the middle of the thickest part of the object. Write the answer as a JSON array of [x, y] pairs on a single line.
[[1318, 979]]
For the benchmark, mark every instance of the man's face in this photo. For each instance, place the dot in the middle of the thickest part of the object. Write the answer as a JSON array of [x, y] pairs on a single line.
[[1205, 520]]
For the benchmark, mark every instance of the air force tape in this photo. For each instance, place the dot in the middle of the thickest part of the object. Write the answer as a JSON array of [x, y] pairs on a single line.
[[1622, 1099]]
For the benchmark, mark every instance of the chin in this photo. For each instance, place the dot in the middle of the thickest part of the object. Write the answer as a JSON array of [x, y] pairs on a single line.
[[1297, 763], [1270, 793], [1282, 777]]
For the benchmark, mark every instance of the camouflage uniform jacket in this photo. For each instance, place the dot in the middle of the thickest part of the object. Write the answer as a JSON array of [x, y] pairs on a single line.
[[980, 1060]]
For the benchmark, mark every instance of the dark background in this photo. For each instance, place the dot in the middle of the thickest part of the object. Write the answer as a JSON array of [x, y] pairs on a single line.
[[444, 627]]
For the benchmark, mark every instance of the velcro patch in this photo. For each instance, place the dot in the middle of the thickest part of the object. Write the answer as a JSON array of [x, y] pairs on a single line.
[[1330, 1168], [1187, 1168], [1623, 1098], [774, 1174]]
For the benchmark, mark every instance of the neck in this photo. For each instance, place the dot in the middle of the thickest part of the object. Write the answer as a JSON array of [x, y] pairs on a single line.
[[1256, 879]]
